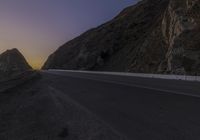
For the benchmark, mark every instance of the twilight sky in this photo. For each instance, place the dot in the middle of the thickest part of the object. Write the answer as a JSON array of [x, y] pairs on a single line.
[[39, 27]]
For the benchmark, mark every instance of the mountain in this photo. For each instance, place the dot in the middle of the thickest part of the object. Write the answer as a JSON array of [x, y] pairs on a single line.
[[13, 61], [153, 36]]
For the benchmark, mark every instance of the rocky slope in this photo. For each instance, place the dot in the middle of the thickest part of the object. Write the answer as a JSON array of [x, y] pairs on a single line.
[[153, 36], [13, 61]]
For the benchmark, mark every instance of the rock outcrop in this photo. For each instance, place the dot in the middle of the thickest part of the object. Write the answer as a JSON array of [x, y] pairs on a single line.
[[180, 27], [13, 61], [153, 36]]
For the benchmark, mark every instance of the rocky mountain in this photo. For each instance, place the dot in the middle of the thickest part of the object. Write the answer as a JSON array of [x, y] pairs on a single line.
[[153, 36], [13, 61]]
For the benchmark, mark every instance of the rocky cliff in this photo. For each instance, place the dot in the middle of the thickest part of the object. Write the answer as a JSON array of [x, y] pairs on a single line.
[[13, 61], [153, 36]]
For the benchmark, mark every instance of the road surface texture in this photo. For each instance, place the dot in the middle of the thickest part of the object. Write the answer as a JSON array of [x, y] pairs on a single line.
[[139, 108], [33, 110], [59, 105]]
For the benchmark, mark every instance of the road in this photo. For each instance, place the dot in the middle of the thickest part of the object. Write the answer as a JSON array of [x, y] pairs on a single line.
[[139, 108], [30, 109]]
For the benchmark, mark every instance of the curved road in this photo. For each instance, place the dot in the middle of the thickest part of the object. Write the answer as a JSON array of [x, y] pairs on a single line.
[[139, 108]]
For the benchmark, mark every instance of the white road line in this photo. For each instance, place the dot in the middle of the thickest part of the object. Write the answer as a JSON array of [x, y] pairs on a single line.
[[55, 93], [144, 75], [132, 85]]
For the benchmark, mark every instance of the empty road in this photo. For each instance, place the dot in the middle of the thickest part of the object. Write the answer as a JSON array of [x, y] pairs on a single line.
[[139, 108]]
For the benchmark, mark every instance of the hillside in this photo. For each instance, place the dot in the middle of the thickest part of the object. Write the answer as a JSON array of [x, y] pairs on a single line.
[[153, 36], [12, 61]]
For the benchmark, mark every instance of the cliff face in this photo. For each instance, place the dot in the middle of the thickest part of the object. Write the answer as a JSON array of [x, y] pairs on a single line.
[[153, 36], [180, 27], [13, 61]]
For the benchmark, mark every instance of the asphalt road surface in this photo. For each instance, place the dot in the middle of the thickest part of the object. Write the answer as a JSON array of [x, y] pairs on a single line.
[[139, 108]]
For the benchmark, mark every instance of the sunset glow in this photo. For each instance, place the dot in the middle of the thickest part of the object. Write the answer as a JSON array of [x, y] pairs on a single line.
[[39, 27]]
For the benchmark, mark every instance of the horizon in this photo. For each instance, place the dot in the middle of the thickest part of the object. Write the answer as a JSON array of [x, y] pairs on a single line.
[[114, 71], [37, 29]]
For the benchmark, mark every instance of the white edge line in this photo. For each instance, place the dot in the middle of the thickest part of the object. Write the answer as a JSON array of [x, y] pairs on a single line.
[[143, 75], [135, 85]]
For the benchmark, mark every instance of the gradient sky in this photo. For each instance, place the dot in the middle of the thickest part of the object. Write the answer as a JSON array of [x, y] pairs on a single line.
[[39, 27]]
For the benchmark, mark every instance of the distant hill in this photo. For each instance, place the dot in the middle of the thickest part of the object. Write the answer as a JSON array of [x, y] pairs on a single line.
[[13, 61], [153, 36]]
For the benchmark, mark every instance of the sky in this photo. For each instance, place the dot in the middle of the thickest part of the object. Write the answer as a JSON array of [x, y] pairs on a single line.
[[38, 27]]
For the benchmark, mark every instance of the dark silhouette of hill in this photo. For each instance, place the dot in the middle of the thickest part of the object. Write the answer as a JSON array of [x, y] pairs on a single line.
[[13, 61], [153, 36]]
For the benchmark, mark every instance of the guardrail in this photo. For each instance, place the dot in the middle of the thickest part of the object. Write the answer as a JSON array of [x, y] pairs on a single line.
[[144, 75]]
